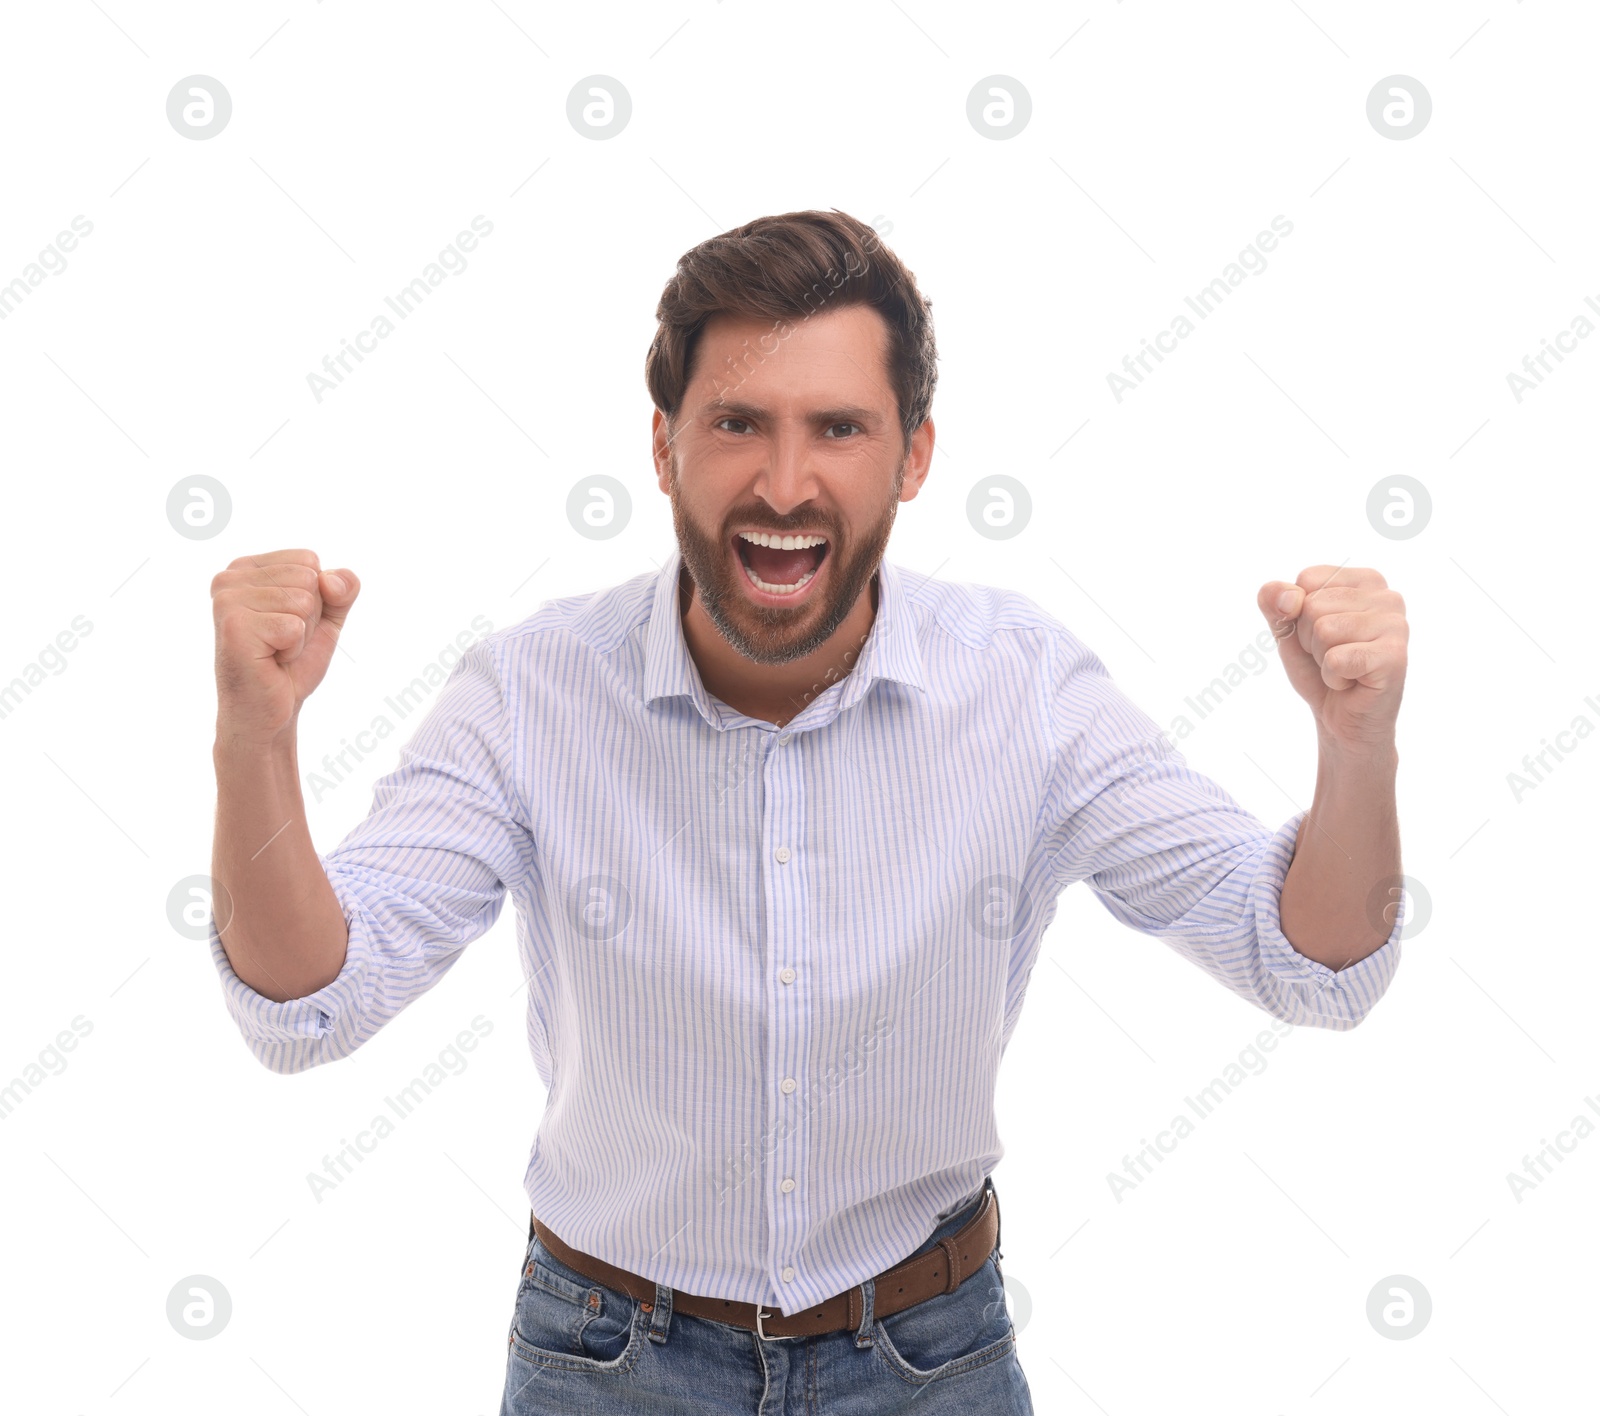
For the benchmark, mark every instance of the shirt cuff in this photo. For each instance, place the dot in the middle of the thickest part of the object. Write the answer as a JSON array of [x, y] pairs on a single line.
[[298, 1033], [1323, 997]]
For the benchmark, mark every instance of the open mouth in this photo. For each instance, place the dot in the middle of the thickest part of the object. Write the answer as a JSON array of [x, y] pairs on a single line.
[[780, 565]]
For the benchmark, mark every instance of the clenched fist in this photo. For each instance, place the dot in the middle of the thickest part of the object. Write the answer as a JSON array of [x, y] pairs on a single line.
[[1342, 636], [277, 618]]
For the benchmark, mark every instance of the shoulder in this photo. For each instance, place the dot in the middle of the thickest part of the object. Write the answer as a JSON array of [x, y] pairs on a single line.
[[590, 625], [984, 619]]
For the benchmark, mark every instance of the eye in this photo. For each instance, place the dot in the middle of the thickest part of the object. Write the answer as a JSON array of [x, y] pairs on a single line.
[[828, 432], [720, 421]]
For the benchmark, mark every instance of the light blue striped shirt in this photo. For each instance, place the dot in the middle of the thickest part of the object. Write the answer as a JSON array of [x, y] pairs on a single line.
[[772, 971]]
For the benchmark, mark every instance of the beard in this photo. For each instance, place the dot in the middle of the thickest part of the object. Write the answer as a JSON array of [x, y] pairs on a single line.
[[772, 634]]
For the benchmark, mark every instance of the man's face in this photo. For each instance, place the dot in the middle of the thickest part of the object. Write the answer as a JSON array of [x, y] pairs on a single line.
[[787, 428]]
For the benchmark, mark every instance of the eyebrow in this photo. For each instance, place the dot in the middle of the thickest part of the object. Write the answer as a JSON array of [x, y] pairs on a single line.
[[752, 413]]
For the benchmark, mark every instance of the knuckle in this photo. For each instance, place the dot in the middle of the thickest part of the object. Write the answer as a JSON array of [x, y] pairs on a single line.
[[236, 634], [1327, 631], [304, 576], [299, 601], [283, 626]]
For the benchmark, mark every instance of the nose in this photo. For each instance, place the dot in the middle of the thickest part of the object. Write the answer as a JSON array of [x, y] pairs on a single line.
[[789, 478]]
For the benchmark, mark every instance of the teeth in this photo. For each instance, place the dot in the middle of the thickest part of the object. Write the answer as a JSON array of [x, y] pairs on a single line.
[[771, 589], [785, 543]]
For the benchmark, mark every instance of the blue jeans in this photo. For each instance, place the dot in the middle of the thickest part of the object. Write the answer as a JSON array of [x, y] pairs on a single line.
[[578, 1348]]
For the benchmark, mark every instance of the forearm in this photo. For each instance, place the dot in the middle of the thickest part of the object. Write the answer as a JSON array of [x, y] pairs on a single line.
[[1347, 847], [279, 920]]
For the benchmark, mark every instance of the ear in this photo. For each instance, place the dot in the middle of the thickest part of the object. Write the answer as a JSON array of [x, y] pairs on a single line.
[[919, 459], [661, 451]]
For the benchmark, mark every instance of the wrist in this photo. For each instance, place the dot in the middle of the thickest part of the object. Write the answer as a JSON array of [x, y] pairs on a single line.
[[236, 744], [1363, 759]]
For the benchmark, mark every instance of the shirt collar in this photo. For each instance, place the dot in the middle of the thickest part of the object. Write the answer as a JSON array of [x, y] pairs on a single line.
[[891, 650]]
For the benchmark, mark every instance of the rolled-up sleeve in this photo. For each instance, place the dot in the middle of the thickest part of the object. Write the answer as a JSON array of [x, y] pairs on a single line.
[[418, 879], [1170, 853]]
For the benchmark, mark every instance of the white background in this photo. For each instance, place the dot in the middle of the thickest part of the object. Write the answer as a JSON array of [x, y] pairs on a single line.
[[178, 339]]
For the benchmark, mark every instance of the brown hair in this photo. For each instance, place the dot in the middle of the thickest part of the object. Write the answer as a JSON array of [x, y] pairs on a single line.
[[790, 267]]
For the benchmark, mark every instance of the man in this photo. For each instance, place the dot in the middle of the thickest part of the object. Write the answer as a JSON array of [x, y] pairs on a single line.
[[784, 824]]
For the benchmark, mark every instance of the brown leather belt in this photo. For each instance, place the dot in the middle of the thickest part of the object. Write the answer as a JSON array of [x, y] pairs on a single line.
[[953, 1260]]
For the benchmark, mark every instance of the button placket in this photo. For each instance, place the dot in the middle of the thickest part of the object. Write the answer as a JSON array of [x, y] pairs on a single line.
[[789, 1030]]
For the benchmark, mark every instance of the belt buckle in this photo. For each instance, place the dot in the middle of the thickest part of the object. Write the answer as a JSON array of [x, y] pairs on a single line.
[[764, 1336]]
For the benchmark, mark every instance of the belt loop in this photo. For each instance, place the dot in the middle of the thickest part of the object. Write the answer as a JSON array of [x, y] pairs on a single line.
[[988, 1183], [864, 1331], [661, 1313]]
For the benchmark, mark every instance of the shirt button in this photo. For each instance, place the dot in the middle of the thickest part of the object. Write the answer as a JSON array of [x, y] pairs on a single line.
[[787, 975], [787, 1084], [787, 1185], [782, 853], [788, 1275], [783, 739]]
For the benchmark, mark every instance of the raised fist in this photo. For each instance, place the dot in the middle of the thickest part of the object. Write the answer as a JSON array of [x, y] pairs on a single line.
[[277, 618]]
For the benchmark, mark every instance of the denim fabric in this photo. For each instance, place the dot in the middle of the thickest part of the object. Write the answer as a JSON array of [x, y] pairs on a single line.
[[578, 1348]]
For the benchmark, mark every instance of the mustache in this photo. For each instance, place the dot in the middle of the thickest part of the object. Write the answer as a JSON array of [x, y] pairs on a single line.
[[798, 525]]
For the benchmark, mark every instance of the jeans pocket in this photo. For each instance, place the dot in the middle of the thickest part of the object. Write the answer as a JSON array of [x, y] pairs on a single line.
[[950, 1332], [565, 1321]]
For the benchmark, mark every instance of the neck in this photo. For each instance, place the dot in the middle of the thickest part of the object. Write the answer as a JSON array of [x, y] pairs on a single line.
[[775, 693]]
